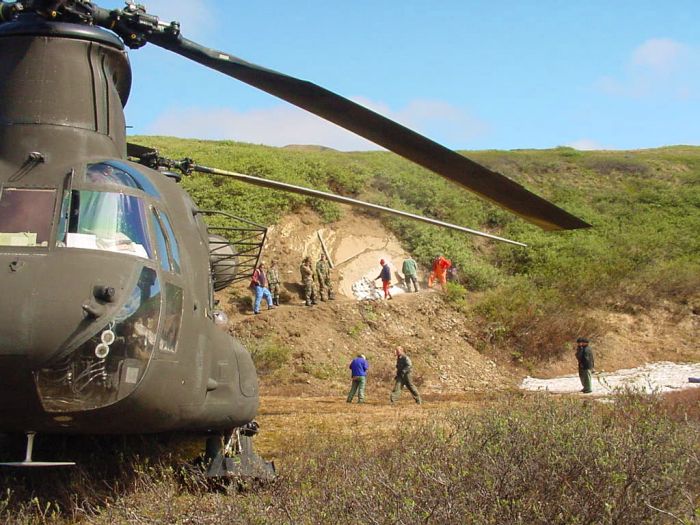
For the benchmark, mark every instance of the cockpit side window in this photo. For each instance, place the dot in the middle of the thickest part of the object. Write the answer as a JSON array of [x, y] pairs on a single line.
[[105, 221], [26, 216], [161, 242], [119, 173], [172, 243]]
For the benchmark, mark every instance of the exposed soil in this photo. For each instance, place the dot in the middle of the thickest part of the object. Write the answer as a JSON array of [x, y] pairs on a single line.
[[324, 338]]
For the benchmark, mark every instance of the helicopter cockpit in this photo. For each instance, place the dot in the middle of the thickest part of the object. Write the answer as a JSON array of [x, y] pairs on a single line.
[[115, 208]]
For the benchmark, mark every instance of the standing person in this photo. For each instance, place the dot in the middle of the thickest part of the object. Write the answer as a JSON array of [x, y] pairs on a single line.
[[584, 356], [323, 274], [385, 276], [273, 279], [404, 369], [409, 269], [452, 273], [307, 278], [259, 286], [358, 371], [439, 271]]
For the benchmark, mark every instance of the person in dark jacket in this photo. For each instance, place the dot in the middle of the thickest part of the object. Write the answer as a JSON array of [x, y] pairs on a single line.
[[385, 276], [358, 371], [404, 369], [584, 356]]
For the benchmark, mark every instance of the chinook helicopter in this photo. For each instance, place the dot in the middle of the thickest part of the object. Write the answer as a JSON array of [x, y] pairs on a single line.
[[108, 323]]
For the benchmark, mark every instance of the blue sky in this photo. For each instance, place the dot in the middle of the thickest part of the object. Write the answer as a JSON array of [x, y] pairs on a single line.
[[470, 74]]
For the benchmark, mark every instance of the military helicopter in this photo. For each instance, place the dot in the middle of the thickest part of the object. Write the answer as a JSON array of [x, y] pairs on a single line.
[[108, 323]]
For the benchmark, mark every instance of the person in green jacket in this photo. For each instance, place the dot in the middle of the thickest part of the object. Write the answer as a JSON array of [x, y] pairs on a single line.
[[584, 356], [409, 269], [404, 369]]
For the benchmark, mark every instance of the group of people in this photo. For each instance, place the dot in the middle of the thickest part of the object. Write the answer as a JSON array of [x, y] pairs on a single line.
[[266, 283], [320, 276], [404, 369], [442, 270], [318, 284]]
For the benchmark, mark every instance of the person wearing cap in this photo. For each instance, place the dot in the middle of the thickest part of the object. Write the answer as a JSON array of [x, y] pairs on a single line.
[[259, 286], [358, 371], [584, 356], [404, 369], [385, 276]]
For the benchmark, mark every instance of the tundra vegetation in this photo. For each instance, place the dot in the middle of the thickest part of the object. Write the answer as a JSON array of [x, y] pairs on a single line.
[[527, 459], [643, 248], [516, 459]]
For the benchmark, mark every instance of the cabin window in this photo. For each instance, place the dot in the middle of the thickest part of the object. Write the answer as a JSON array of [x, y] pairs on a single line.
[[119, 173], [173, 317], [112, 222], [26, 216]]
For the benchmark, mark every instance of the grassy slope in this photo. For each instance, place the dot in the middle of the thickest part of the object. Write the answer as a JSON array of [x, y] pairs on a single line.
[[644, 207]]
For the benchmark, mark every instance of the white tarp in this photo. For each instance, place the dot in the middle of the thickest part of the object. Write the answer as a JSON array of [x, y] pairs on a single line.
[[652, 377]]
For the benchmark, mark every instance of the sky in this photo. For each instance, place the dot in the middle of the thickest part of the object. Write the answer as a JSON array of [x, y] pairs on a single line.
[[498, 74]]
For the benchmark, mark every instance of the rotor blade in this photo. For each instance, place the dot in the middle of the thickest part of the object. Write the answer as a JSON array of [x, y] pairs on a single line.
[[381, 130], [138, 151], [266, 183]]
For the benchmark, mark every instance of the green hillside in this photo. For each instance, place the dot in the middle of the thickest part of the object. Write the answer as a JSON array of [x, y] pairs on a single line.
[[643, 248]]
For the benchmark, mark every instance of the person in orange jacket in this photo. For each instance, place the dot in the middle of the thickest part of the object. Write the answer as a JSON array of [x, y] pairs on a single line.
[[439, 271]]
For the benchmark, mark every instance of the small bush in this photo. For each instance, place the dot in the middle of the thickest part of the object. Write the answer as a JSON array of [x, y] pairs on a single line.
[[269, 355]]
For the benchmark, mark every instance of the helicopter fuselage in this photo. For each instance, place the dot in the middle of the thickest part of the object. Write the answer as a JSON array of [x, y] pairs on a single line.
[[107, 321]]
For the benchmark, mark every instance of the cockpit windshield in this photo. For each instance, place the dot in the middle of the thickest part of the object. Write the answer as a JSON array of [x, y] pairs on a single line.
[[105, 221]]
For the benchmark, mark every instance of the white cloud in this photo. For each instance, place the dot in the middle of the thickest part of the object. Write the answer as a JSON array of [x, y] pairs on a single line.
[[657, 67], [283, 125], [586, 145], [660, 54]]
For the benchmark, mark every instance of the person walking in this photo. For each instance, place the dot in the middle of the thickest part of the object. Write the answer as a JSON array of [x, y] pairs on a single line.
[[358, 371], [259, 286], [273, 279], [404, 370], [385, 276], [323, 275], [409, 269], [584, 356], [307, 279]]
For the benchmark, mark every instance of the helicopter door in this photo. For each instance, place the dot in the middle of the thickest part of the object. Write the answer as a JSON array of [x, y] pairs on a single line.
[[169, 254]]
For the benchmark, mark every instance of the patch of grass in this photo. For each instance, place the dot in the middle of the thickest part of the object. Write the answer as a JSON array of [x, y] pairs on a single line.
[[269, 354]]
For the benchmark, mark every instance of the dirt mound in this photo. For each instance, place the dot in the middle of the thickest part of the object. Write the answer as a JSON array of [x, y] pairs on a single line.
[[323, 339]]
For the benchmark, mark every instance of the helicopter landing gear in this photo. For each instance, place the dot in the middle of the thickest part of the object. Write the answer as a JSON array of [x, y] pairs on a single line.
[[232, 456], [29, 462]]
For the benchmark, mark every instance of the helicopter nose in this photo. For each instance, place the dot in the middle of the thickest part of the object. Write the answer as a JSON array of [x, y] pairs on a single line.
[[49, 299]]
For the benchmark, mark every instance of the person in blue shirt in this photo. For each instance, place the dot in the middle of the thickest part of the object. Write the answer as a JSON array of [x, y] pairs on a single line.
[[358, 371]]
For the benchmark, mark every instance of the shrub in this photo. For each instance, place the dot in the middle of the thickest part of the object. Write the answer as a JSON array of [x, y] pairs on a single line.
[[268, 354]]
